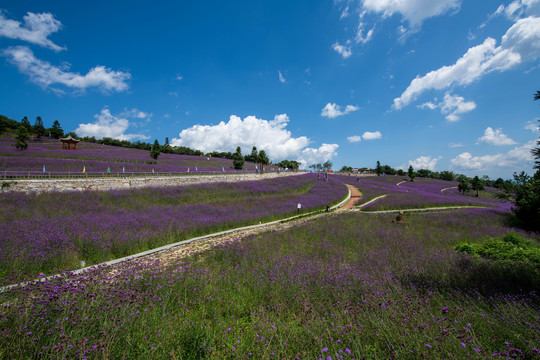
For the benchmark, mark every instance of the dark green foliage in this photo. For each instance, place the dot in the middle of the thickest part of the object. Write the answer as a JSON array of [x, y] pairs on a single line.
[[346, 169], [289, 164], [26, 124], [463, 186], [263, 160], [254, 156], [527, 199], [238, 159], [39, 129], [477, 184], [447, 175], [7, 124], [56, 130], [511, 247], [411, 173], [155, 151], [21, 136], [378, 169]]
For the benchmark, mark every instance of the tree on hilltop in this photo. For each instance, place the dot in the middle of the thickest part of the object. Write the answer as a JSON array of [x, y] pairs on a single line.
[[411, 172], [26, 124], [155, 151], [477, 184], [378, 168], [463, 186], [238, 159], [21, 135], [56, 131], [263, 160], [39, 129]]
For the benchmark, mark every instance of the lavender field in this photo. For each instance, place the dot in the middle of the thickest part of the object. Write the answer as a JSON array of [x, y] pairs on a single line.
[[97, 158], [49, 232], [344, 286]]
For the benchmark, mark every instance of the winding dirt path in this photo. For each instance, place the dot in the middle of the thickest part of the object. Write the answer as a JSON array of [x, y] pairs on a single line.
[[356, 195]]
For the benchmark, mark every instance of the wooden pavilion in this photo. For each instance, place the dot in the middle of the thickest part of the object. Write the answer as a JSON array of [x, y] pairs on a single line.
[[69, 143]]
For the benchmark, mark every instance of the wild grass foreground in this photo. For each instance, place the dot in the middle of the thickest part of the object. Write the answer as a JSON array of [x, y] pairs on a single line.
[[47, 233], [346, 286]]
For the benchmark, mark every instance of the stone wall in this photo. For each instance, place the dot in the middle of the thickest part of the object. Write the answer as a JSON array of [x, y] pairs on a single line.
[[39, 185]]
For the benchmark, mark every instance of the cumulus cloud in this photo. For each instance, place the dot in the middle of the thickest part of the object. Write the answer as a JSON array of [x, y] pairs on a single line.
[[332, 110], [412, 11], [518, 157], [519, 44], [425, 162], [271, 136], [452, 106], [343, 50], [44, 74], [496, 137], [318, 156], [36, 29], [354, 138], [109, 125], [371, 135], [365, 136]]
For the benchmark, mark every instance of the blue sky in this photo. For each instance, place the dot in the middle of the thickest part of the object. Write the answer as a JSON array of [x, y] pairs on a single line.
[[439, 84]]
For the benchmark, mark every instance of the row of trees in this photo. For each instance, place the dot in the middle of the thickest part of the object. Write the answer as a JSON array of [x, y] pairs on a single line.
[[322, 167]]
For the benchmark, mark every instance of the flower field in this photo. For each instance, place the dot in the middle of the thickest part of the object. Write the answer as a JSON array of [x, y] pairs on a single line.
[[49, 232], [97, 158], [345, 286]]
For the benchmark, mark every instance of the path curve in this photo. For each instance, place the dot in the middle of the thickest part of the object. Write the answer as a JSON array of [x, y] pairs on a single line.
[[448, 188]]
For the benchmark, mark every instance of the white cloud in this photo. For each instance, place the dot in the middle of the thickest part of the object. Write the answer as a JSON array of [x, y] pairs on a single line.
[[179, 77], [344, 51], [371, 135], [281, 77], [318, 156], [455, 145], [452, 106], [360, 37], [44, 74], [425, 162], [496, 137], [108, 125], [271, 136], [520, 43], [518, 157], [354, 138], [518, 8], [332, 110], [532, 126], [413, 11], [36, 29]]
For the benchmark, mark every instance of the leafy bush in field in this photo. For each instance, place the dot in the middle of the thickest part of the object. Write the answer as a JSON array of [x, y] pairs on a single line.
[[510, 247]]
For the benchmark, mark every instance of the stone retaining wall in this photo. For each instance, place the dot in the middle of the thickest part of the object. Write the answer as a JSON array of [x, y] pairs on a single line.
[[40, 185]]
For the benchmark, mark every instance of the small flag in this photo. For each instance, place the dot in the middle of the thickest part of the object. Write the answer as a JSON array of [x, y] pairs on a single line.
[[123, 169], [84, 169], [152, 171], [44, 168], [108, 169], [187, 169], [222, 168], [196, 169]]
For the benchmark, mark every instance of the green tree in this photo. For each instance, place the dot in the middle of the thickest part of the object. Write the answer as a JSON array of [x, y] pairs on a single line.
[[263, 160], [155, 151], [378, 168], [238, 159], [410, 172], [327, 165], [39, 129], [463, 186], [21, 135], [254, 156], [346, 168], [447, 175], [477, 184], [7, 124], [26, 124], [56, 130]]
